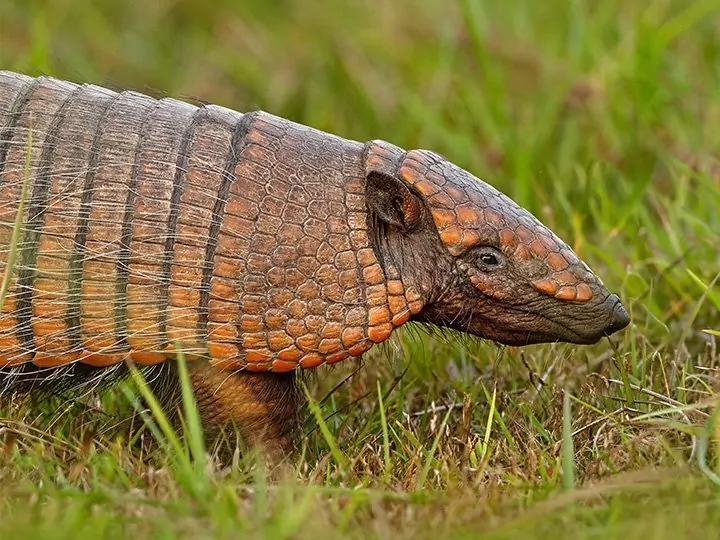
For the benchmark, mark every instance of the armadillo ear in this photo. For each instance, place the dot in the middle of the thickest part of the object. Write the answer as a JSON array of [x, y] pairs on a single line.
[[392, 201]]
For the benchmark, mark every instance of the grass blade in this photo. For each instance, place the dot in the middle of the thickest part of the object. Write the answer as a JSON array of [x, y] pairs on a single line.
[[386, 435], [193, 426], [431, 454], [17, 226], [335, 451], [568, 451]]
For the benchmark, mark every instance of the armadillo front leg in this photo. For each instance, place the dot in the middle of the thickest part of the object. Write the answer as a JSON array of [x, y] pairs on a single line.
[[264, 407]]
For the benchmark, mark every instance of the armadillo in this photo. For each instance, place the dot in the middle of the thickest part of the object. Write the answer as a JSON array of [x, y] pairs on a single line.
[[258, 246]]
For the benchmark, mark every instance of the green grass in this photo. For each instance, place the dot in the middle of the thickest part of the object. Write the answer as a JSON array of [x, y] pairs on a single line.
[[600, 117]]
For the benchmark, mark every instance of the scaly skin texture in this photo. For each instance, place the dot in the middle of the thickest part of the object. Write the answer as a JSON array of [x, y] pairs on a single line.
[[257, 245], [304, 286]]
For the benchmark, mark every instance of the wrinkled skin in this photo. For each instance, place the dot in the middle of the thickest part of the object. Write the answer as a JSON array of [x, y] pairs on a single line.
[[520, 322], [515, 289]]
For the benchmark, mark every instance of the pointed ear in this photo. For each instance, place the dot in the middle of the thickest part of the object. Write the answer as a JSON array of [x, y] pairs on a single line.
[[392, 201]]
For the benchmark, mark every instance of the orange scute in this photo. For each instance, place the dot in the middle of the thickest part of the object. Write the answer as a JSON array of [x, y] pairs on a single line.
[[257, 356], [566, 293], [584, 293], [557, 262], [283, 366], [397, 304], [443, 218], [13, 359], [359, 348], [451, 236], [337, 357], [508, 238], [380, 333], [470, 238], [145, 358], [523, 253], [468, 215], [401, 318], [102, 360], [352, 335], [378, 316], [395, 287], [545, 286], [42, 359], [291, 354], [311, 360], [565, 278], [538, 248], [222, 350]]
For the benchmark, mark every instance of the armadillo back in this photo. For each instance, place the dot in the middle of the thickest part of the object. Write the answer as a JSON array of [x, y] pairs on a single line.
[[147, 223], [123, 195]]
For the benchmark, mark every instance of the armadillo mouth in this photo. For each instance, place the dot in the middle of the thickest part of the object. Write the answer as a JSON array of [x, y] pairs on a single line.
[[516, 325], [552, 332], [549, 330], [536, 328], [506, 331]]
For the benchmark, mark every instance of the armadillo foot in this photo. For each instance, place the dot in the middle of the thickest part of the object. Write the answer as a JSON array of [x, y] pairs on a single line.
[[263, 407]]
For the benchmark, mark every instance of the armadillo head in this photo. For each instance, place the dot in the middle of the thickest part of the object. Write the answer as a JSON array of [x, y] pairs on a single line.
[[480, 263]]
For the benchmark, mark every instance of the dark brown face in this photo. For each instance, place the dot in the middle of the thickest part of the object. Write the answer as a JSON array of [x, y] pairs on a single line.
[[522, 316], [483, 264]]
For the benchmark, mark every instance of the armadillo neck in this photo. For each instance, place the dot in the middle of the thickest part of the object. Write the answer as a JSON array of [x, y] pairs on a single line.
[[150, 223]]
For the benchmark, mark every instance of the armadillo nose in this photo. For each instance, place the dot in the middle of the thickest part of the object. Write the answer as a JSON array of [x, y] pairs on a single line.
[[619, 317]]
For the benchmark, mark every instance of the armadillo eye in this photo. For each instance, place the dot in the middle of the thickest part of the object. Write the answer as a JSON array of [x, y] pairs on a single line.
[[488, 258]]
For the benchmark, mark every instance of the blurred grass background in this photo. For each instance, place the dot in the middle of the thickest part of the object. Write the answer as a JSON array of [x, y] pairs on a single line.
[[599, 116]]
